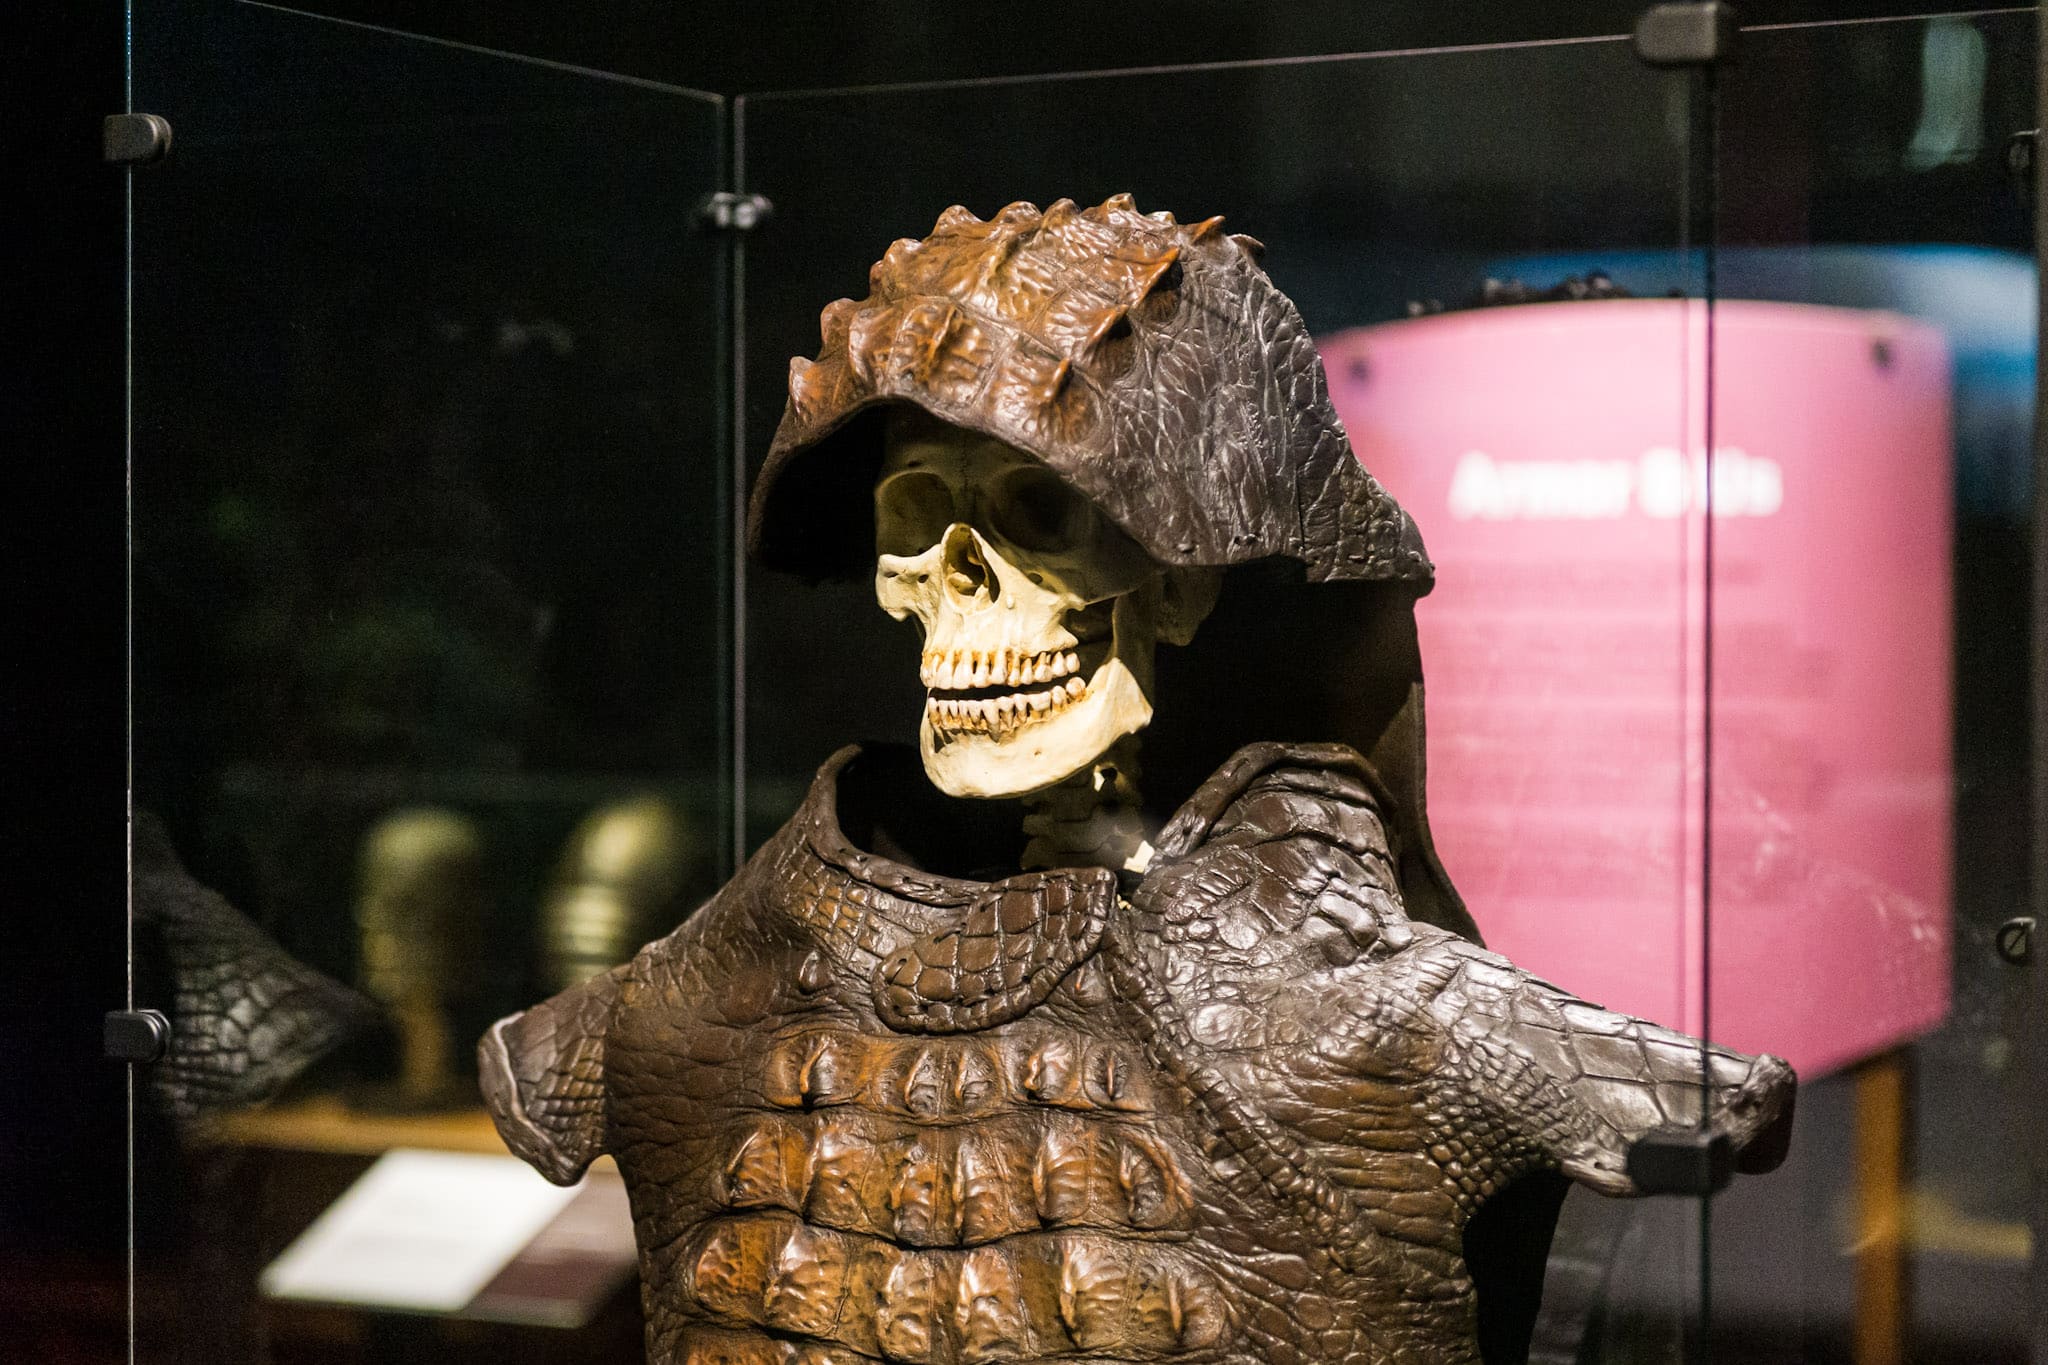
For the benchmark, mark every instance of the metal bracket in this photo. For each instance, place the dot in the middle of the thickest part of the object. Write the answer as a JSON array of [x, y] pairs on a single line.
[[135, 139], [138, 1037], [2016, 939], [1686, 34], [726, 211], [2022, 162], [1681, 1161]]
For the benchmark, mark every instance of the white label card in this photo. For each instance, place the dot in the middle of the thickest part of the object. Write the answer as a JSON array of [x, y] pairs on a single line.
[[418, 1231]]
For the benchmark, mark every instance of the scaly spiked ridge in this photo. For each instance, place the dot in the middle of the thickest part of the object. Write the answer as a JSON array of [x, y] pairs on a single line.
[[1152, 364]]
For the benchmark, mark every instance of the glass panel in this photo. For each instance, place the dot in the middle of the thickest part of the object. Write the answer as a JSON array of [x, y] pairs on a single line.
[[429, 695], [1872, 535], [1542, 449]]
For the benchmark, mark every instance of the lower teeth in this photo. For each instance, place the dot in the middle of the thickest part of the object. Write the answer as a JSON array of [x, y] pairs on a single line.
[[1022, 710]]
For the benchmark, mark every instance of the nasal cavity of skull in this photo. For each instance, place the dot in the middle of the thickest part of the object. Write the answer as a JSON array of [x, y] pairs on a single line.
[[1092, 623], [967, 573]]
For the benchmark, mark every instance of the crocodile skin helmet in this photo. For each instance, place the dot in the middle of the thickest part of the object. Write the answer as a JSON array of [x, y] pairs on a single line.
[[1152, 365], [1156, 369]]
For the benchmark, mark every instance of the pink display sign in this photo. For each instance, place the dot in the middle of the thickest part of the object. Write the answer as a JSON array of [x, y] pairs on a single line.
[[1554, 457]]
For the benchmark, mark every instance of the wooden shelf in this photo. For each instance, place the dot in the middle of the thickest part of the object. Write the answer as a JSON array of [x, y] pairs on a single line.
[[326, 1124]]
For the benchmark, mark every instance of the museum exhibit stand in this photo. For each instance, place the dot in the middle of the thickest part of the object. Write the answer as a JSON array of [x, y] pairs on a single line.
[[526, 463]]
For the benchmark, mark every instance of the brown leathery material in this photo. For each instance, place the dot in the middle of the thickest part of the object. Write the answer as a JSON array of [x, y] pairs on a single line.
[[1152, 364], [1241, 1113]]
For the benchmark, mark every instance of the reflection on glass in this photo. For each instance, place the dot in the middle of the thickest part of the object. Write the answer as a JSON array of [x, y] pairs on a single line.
[[1559, 632], [1879, 725], [428, 542]]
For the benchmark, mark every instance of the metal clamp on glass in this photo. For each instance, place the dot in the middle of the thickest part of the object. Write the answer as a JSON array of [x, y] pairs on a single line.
[[2022, 162], [138, 1037], [1686, 35], [2015, 939], [726, 211], [135, 139], [1681, 1161]]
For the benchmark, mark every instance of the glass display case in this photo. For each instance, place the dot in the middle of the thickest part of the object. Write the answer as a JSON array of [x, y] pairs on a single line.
[[1708, 375]]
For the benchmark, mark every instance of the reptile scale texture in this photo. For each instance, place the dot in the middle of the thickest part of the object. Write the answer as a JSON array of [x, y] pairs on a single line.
[[1241, 1103]]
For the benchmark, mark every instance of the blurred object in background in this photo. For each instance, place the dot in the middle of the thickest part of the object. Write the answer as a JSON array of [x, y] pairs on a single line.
[[1497, 293], [420, 909], [621, 881]]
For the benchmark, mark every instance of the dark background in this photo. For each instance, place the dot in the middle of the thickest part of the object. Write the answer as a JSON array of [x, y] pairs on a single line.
[[61, 1133]]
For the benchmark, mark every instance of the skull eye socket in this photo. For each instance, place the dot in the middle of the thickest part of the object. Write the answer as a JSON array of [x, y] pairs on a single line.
[[1035, 511], [912, 511]]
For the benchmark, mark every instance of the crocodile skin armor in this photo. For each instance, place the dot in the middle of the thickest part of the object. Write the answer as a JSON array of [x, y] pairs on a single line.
[[1241, 1109]]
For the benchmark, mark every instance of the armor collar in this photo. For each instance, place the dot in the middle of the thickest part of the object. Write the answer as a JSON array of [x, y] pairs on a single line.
[[1184, 832], [968, 954]]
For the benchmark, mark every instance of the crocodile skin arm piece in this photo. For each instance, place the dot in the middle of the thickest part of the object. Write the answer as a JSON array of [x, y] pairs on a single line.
[[542, 1074]]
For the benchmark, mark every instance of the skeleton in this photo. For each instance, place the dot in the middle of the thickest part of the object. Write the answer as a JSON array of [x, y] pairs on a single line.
[[1233, 1088]]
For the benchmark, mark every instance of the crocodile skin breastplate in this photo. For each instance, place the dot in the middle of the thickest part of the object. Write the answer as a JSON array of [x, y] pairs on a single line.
[[866, 1113]]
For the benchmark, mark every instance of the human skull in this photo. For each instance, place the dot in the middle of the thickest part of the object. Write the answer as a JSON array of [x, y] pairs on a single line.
[[1039, 615]]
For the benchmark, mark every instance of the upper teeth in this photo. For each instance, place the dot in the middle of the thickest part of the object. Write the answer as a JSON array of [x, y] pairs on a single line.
[[995, 667]]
